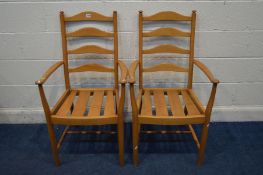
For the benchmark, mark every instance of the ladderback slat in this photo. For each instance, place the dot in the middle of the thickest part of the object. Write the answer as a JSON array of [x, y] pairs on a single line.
[[167, 16], [166, 32], [91, 67], [88, 16], [89, 32], [166, 48], [90, 49], [165, 67]]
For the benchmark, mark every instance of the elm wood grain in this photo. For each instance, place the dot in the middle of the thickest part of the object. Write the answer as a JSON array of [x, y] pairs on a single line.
[[146, 104], [174, 120], [166, 32], [81, 103], [64, 49], [60, 102], [192, 50], [166, 48], [88, 16], [124, 72], [80, 120], [91, 67], [160, 104], [73, 114], [96, 103], [116, 51], [140, 50], [206, 71], [49, 72], [109, 105], [167, 16], [65, 108], [190, 106], [194, 112], [165, 67], [89, 32], [90, 49], [175, 103], [132, 70]]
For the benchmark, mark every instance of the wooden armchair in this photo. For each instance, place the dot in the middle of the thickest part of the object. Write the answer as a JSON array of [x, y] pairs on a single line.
[[71, 109], [193, 112]]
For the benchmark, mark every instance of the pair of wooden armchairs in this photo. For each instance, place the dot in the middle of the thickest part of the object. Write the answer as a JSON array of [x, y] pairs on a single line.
[[104, 106]]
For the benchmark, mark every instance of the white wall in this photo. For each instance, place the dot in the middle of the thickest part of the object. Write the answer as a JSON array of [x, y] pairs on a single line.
[[229, 41]]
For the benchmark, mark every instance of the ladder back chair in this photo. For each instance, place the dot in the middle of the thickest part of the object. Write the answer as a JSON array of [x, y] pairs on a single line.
[[185, 107], [85, 106]]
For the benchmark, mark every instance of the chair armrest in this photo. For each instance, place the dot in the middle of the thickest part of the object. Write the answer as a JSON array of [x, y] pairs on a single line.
[[132, 70], [47, 74], [206, 71], [124, 72]]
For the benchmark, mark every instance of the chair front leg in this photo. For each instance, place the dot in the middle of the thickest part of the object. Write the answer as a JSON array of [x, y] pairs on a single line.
[[135, 126], [121, 125], [205, 128], [50, 127]]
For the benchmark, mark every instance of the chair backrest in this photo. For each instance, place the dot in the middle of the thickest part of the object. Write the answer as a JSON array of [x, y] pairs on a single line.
[[89, 32], [167, 48]]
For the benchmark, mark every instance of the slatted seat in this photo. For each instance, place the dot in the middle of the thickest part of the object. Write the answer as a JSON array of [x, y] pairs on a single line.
[[169, 106], [86, 106], [89, 105]]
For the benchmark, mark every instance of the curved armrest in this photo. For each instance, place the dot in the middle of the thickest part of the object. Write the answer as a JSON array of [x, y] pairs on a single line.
[[132, 70], [206, 71], [52, 69], [124, 72]]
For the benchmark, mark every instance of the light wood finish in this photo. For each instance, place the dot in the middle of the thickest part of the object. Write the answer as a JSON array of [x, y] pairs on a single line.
[[190, 106], [146, 104], [110, 110], [165, 67], [52, 69], [166, 32], [166, 48], [192, 50], [86, 106], [96, 103], [88, 32], [124, 72], [91, 67], [64, 49], [60, 101], [206, 71], [90, 49], [116, 52], [182, 107], [81, 103], [65, 108], [88, 16], [140, 50], [167, 16], [132, 70], [158, 95], [174, 100], [160, 104]]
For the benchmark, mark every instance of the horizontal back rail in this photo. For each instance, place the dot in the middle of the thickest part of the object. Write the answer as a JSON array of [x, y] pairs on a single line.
[[89, 31], [90, 49], [91, 67], [166, 32], [166, 48], [88, 16], [167, 16], [165, 67]]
